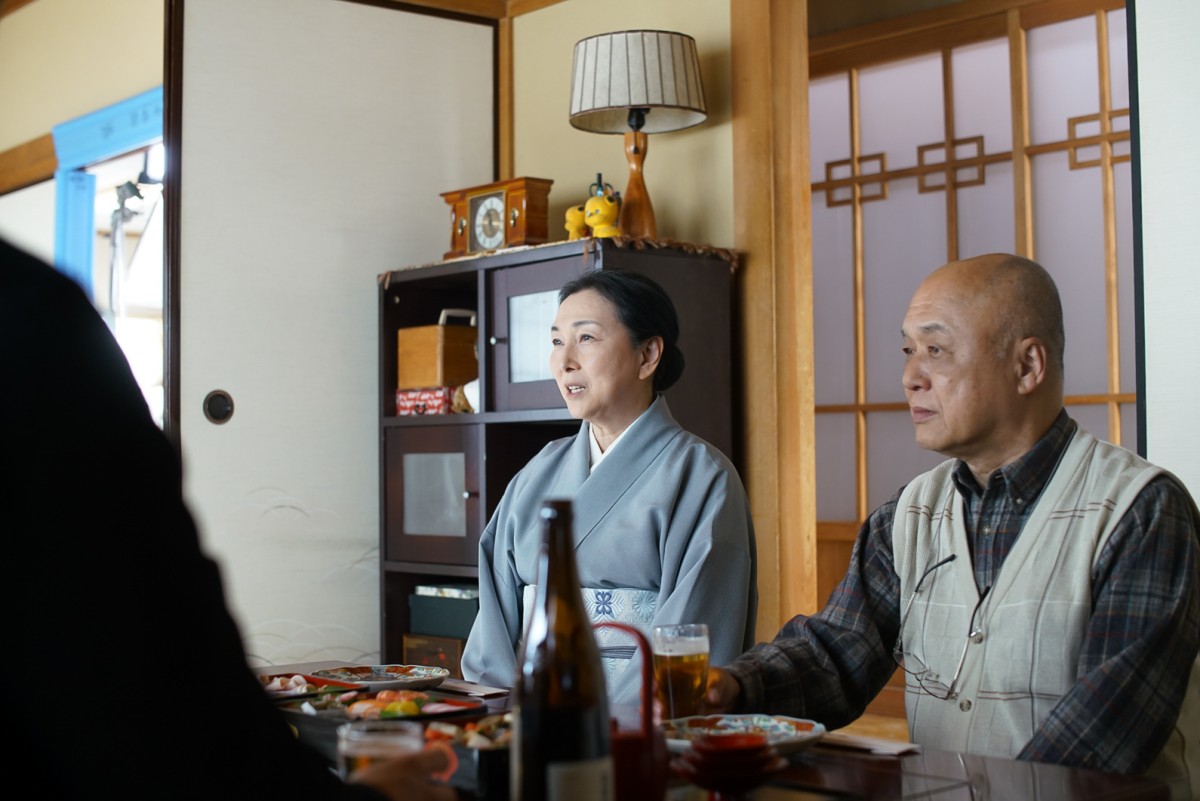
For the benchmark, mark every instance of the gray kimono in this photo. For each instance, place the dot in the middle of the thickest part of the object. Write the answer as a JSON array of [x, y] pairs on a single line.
[[662, 535]]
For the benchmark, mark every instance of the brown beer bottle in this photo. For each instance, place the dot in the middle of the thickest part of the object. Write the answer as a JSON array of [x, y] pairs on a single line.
[[560, 749]]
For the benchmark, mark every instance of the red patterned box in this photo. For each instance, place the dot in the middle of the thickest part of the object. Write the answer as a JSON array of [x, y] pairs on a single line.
[[434, 400]]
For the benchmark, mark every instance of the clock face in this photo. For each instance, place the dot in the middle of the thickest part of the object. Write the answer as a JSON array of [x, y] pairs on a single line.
[[487, 221]]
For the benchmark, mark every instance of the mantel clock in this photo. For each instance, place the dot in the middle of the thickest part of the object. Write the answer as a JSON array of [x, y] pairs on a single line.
[[503, 214]]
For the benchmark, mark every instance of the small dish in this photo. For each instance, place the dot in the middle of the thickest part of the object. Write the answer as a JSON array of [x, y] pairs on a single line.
[[387, 677], [288, 686], [787, 735]]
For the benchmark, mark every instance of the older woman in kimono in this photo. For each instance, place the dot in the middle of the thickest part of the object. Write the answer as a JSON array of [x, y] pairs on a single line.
[[662, 526]]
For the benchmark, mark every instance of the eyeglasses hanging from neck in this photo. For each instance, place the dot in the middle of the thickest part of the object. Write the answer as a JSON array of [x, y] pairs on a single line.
[[928, 679]]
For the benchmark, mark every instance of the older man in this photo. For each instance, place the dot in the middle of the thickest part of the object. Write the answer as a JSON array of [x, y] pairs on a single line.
[[1040, 588]]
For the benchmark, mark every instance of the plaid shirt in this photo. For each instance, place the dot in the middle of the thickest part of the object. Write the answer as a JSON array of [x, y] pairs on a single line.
[[1136, 657]]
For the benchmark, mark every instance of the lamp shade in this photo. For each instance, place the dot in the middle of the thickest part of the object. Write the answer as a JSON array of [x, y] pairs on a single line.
[[655, 70]]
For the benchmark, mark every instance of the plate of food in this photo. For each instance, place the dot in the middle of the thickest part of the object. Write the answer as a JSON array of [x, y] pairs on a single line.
[[317, 718], [387, 677], [300, 685], [482, 749], [786, 734]]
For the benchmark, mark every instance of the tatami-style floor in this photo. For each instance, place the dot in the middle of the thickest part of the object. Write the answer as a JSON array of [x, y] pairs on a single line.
[[881, 726]]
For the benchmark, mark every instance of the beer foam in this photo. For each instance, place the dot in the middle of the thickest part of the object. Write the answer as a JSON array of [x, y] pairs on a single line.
[[689, 647]]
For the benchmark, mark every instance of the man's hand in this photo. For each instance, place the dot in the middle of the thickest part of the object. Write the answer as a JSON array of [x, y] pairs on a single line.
[[722, 693]]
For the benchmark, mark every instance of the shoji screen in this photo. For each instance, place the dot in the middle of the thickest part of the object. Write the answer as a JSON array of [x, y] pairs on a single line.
[[1008, 133]]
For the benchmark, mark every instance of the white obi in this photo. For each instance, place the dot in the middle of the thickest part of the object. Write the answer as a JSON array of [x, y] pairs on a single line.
[[632, 607]]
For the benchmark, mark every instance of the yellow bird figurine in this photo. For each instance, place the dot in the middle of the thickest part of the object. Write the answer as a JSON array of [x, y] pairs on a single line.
[[576, 226], [600, 214]]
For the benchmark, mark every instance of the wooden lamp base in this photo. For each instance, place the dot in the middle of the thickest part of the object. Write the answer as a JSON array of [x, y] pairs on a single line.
[[637, 215]]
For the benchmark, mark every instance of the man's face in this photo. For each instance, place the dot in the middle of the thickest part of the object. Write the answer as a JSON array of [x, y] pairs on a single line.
[[959, 390]]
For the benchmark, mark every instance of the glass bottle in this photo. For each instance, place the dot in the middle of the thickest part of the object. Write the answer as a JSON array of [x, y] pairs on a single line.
[[560, 748]]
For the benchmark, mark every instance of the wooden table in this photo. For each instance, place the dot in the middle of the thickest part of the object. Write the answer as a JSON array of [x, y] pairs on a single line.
[[825, 773]]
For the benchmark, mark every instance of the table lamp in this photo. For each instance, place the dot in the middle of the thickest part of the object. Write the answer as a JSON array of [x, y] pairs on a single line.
[[636, 83]]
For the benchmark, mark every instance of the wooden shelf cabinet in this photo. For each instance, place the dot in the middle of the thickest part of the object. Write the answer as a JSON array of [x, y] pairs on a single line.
[[442, 476]]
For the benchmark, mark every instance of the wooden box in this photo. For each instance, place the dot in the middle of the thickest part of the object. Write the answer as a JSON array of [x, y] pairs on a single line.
[[436, 355], [421, 649]]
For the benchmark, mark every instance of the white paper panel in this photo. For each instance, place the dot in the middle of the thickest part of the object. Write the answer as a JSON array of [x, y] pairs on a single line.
[[985, 214], [835, 450], [1092, 418], [902, 108], [981, 86], [1062, 78], [904, 239], [833, 302], [1118, 62], [829, 115], [1123, 192], [1129, 430], [1069, 243], [893, 456], [316, 139]]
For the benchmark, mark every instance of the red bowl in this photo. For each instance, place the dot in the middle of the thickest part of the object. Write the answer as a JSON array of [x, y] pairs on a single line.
[[730, 754], [727, 780], [726, 744], [741, 767]]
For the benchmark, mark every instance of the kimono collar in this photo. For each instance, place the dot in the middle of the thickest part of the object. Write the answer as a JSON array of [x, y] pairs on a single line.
[[596, 493], [596, 454]]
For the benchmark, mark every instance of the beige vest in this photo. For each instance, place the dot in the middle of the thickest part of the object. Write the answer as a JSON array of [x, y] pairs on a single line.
[[1034, 618]]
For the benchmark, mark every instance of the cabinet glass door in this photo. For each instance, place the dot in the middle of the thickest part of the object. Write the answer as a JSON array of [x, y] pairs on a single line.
[[524, 301], [432, 511]]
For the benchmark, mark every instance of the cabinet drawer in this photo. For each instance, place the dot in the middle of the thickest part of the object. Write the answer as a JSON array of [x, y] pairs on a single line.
[[432, 510]]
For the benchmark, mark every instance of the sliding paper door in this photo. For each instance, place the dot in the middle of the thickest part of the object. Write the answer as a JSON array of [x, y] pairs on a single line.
[[314, 137]]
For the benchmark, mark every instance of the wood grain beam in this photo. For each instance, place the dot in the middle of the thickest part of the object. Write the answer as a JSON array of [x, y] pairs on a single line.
[[27, 164], [488, 9], [9, 6], [772, 234], [518, 7], [505, 114], [1018, 77]]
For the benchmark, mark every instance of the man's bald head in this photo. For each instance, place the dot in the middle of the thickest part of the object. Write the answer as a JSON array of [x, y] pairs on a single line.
[[1016, 296], [983, 348]]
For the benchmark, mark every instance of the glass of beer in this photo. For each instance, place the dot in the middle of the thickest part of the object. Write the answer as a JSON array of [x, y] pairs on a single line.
[[680, 668], [364, 742]]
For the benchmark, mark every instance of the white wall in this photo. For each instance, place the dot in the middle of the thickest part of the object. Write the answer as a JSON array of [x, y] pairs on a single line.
[[1168, 63], [27, 219], [689, 173], [61, 59]]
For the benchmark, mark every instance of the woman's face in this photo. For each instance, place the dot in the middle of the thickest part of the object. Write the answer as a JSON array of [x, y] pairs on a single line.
[[604, 378]]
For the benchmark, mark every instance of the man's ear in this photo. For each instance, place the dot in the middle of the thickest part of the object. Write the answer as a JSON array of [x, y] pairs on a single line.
[[652, 351], [1032, 365]]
